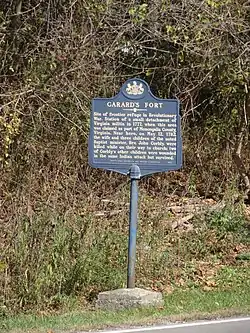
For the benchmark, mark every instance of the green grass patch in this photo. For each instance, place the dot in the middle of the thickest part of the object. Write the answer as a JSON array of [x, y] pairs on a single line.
[[182, 304]]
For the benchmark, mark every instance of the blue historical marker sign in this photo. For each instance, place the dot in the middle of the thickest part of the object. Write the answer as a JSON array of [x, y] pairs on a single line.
[[135, 134], [135, 128]]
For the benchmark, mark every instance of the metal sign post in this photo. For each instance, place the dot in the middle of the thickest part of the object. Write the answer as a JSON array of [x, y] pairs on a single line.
[[133, 214]]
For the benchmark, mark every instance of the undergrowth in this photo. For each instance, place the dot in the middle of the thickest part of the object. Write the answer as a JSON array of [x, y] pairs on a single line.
[[50, 259]]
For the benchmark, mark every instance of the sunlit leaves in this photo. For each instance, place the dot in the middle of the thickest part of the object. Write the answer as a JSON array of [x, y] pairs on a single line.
[[138, 13]]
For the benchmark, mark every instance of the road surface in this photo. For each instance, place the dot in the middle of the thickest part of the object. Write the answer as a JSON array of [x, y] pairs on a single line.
[[235, 325]]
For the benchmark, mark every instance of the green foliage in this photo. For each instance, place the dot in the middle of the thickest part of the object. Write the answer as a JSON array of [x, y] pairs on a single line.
[[228, 277], [53, 258], [9, 128], [243, 256], [138, 13], [228, 220]]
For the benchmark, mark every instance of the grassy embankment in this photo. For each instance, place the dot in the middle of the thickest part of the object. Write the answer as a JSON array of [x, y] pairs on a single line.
[[231, 297], [201, 266]]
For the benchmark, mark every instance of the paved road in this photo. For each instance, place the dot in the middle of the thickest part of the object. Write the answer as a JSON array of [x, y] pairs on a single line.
[[236, 325]]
